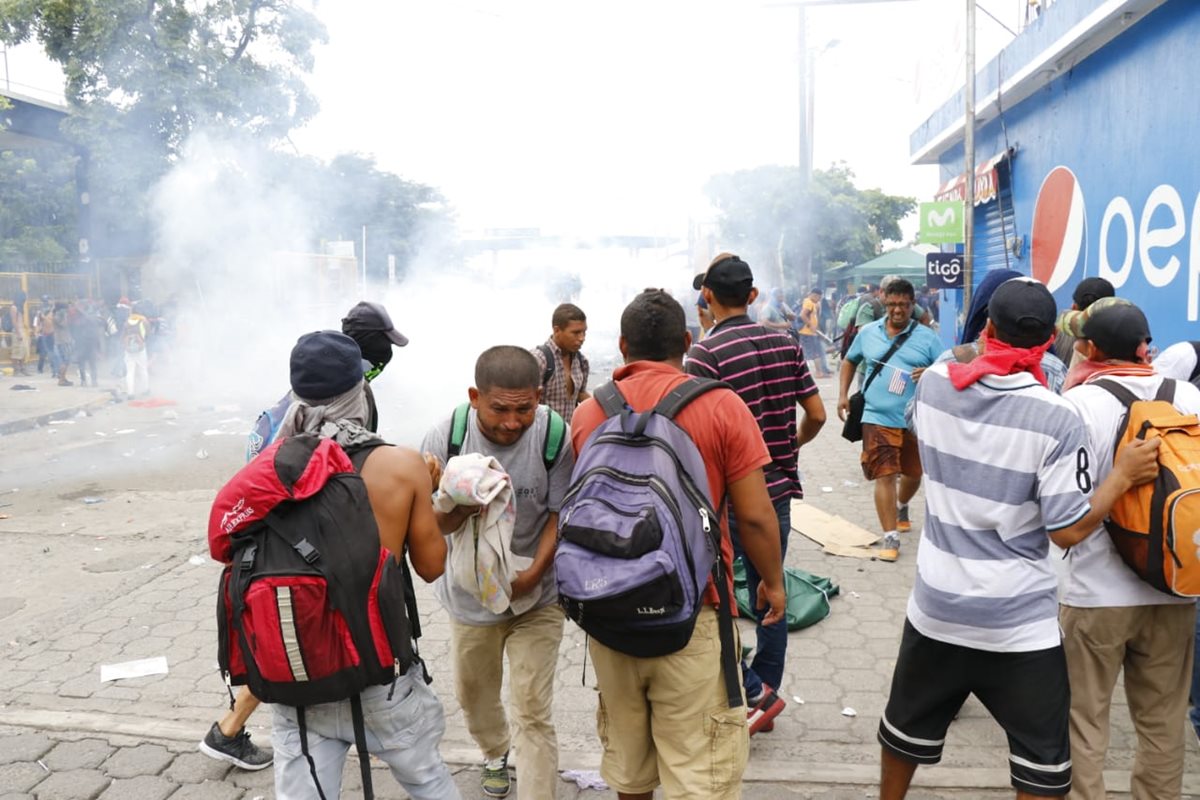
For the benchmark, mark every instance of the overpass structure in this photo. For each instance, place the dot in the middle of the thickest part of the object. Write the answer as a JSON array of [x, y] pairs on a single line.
[[30, 122]]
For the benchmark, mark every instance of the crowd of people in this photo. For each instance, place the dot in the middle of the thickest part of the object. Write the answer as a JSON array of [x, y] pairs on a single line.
[[84, 338], [1020, 597]]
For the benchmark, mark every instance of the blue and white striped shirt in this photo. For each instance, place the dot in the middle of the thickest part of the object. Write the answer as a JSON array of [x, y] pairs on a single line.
[[1006, 461]]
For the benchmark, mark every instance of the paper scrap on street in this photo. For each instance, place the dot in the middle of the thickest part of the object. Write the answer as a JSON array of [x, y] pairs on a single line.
[[835, 535], [133, 669]]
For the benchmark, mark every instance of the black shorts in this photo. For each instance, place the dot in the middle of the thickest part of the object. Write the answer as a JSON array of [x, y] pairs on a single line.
[[1027, 693]]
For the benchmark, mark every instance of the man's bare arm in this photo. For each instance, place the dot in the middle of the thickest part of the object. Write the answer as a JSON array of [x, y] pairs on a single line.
[[526, 579], [400, 491]]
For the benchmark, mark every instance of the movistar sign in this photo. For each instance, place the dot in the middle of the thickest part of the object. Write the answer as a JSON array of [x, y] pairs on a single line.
[[941, 222]]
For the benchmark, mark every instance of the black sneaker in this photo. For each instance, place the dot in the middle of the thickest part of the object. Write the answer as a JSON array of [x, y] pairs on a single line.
[[238, 750]]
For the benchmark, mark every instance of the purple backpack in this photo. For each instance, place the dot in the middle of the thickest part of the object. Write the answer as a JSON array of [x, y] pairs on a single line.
[[638, 537]]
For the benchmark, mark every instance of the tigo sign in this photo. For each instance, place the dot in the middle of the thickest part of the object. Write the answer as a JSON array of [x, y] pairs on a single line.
[[944, 271]]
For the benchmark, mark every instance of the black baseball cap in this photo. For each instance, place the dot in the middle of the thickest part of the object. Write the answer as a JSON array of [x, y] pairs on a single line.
[[325, 364], [1024, 311], [1119, 330], [367, 316], [1090, 290], [727, 274]]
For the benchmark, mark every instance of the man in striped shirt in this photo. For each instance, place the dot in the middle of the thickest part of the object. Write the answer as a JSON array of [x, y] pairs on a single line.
[[768, 370], [1007, 464]]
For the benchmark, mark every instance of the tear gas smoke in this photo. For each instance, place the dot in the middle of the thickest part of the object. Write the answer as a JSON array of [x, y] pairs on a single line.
[[225, 232]]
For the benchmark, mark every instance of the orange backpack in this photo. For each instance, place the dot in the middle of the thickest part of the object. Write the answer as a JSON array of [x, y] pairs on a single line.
[[1156, 526]]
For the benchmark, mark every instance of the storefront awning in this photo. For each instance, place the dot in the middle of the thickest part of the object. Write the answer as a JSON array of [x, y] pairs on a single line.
[[986, 182]]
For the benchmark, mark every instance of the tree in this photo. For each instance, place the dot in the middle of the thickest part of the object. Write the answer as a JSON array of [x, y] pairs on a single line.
[[766, 215], [401, 216], [143, 75], [37, 207]]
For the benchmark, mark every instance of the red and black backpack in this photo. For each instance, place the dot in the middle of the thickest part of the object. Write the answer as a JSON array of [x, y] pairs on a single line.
[[310, 608]]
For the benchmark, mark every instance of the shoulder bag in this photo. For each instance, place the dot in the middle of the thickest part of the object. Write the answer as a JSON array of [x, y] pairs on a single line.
[[852, 428]]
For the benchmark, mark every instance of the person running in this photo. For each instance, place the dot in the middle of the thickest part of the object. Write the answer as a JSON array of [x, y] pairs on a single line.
[[666, 720], [1009, 467], [769, 372], [896, 349], [810, 331], [370, 326], [404, 721], [505, 422]]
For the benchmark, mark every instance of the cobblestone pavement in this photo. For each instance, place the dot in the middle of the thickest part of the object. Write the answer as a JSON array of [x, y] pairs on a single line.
[[64, 734]]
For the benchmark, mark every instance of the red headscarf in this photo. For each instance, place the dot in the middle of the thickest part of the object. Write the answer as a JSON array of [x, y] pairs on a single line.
[[1000, 358]]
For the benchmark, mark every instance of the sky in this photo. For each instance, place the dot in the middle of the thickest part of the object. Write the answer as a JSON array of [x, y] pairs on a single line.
[[591, 119], [577, 118]]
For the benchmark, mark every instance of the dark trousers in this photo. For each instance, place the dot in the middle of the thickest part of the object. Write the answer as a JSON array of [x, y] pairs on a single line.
[[770, 649]]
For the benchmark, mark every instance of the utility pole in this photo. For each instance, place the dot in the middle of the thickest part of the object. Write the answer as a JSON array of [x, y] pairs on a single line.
[[969, 162], [804, 251]]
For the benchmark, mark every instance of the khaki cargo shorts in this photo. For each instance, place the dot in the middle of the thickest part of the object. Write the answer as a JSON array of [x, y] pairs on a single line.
[[667, 720]]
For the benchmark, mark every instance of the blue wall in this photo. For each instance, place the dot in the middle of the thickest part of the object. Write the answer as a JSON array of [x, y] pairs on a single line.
[[1126, 123]]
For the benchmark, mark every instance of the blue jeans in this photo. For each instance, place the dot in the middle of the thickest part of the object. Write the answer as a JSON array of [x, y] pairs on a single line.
[[403, 732], [770, 648], [1194, 713]]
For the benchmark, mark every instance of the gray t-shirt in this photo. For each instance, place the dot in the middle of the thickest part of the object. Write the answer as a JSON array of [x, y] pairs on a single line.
[[538, 493]]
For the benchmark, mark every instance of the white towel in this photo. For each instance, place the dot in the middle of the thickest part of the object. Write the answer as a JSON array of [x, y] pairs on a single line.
[[481, 557]]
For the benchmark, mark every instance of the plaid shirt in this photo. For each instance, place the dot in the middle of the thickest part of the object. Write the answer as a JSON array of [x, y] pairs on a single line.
[[554, 391]]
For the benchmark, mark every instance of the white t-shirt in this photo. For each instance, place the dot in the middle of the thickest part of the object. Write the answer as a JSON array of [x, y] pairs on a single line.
[[1178, 361], [1092, 574]]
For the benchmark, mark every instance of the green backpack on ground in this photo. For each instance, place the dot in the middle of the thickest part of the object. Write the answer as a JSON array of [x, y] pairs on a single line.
[[807, 595]]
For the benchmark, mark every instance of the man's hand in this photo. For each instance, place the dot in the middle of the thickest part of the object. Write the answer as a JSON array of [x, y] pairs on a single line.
[[434, 465], [1137, 462], [525, 581], [450, 521], [917, 373], [775, 599], [843, 407]]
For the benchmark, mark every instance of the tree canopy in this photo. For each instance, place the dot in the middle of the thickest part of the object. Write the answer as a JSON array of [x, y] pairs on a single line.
[[142, 78], [37, 207], [766, 214], [142, 75]]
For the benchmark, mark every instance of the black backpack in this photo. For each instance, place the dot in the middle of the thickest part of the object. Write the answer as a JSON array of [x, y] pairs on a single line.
[[548, 372], [311, 608]]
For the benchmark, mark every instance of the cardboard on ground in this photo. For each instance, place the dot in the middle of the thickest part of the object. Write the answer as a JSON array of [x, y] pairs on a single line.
[[835, 535]]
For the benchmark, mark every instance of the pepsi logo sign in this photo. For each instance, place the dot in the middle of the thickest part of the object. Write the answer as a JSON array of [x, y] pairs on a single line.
[[1059, 240], [1155, 239]]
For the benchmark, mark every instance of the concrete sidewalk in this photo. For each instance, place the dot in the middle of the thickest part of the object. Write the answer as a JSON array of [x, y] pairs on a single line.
[[27, 402], [64, 734]]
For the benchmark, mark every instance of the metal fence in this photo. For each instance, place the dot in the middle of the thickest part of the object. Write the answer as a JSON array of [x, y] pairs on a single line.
[[37, 284]]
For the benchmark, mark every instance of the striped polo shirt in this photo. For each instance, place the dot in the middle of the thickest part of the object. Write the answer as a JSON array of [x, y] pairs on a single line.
[[1006, 462], [767, 369]]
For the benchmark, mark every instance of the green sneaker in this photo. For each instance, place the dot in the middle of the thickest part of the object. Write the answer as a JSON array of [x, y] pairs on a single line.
[[495, 780]]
